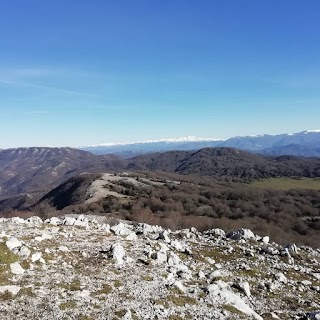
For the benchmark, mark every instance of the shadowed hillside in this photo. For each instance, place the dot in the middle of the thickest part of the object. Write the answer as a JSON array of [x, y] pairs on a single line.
[[25, 170], [228, 164]]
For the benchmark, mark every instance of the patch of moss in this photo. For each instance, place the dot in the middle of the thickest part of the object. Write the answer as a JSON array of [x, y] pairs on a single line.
[[120, 313], [6, 256], [6, 296], [26, 291], [181, 300], [25, 264], [147, 278], [174, 317], [106, 289], [73, 286], [47, 256], [232, 309], [4, 276], [67, 305], [117, 283], [84, 317]]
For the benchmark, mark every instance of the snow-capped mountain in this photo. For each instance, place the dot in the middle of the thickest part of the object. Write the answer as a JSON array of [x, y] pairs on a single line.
[[132, 149], [305, 143]]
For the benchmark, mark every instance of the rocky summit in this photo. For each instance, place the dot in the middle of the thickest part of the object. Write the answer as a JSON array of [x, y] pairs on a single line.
[[89, 267]]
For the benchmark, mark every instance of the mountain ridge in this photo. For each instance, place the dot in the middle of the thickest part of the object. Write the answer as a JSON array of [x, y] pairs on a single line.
[[305, 143]]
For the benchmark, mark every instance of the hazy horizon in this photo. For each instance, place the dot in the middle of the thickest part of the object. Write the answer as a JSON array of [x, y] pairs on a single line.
[[87, 73]]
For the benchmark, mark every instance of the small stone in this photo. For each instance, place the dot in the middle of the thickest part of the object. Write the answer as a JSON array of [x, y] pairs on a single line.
[[36, 256], [161, 256], [24, 252], [132, 236], [69, 221], [82, 221], [35, 221], [177, 245], [179, 286], [281, 277], [63, 249], [241, 234], [214, 275], [121, 229], [127, 316], [306, 283], [164, 236], [54, 221], [210, 260]]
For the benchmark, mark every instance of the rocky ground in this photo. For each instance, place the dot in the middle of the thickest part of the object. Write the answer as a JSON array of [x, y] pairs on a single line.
[[81, 268]]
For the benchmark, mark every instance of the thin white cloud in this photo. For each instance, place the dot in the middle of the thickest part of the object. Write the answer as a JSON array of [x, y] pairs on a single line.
[[46, 87], [37, 112]]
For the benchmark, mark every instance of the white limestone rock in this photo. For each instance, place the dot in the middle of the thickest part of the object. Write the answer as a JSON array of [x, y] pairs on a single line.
[[18, 220], [118, 253], [54, 221], [68, 221], [216, 274], [11, 289], [63, 249], [316, 275], [121, 229], [132, 236], [44, 236], [161, 256], [13, 243], [241, 234], [177, 245], [127, 316], [16, 268], [178, 285], [220, 292], [36, 256], [244, 287], [82, 221], [217, 233], [281, 277], [270, 250], [164, 236], [291, 248], [34, 221], [104, 227], [23, 252], [173, 259]]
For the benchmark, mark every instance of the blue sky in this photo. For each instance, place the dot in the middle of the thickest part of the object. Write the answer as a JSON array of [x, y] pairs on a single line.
[[87, 72]]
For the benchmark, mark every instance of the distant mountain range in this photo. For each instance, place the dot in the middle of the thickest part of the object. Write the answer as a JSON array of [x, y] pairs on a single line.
[[306, 144]]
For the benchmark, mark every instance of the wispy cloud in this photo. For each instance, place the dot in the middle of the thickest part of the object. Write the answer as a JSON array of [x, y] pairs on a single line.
[[46, 87], [37, 78], [37, 112]]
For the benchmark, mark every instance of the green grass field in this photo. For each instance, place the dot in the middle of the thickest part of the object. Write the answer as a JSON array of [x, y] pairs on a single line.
[[287, 183]]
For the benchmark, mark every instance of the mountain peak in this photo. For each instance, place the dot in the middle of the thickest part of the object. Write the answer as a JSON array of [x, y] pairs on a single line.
[[312, 131]]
